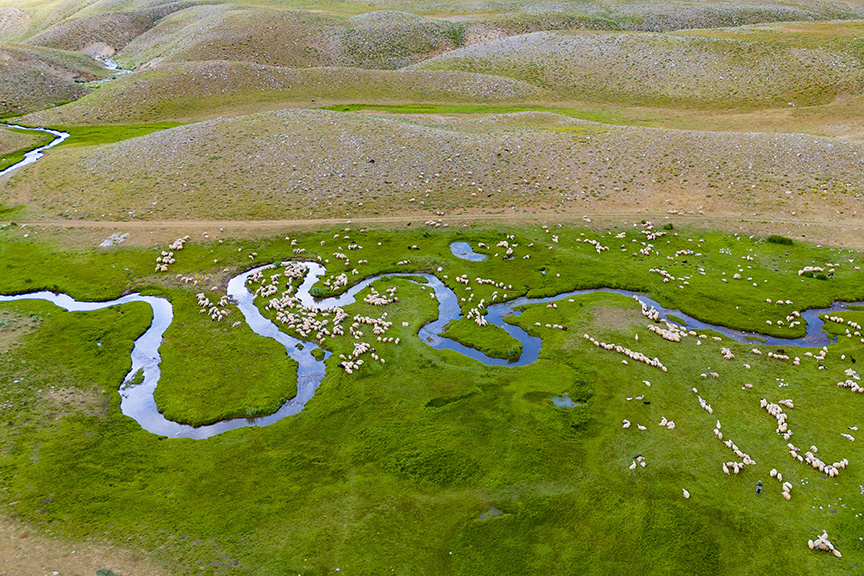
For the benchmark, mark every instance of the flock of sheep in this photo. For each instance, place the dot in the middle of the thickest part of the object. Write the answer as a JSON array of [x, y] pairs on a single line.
[[637, 356], [822, 543], [320, 324], [166, 258]]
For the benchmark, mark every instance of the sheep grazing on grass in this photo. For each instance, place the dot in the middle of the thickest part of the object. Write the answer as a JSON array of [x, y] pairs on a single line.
[[777, 412], [163, 260], [672, 334], [745, 458], [626, 423], [816, 269], [810, 458], [727, 353], [707, 407], [218, 311], [686, 493], [178, 243], [638, 356], [376, 299], [822, 543]]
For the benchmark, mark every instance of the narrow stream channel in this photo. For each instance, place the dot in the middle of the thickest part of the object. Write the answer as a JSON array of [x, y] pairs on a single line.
[[35, 154], [138, 402]]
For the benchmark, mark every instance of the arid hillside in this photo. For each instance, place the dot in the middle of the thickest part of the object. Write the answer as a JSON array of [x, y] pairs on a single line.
[[194, 91], [33, 77], [295, 164]]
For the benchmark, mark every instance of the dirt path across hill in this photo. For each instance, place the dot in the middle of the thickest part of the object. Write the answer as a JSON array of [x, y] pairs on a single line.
[[845, 233]]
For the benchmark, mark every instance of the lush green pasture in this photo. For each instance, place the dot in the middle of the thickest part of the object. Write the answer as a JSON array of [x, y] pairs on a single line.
[[432, 463], [100, 134], [235, 373], [491, 340]]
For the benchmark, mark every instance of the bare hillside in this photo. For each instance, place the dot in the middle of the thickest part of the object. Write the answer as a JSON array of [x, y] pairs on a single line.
[[11, 140], [113, 31], [665, 69], [291, 38], [199, 90], [296, 164], [14, 23], [32, 78]]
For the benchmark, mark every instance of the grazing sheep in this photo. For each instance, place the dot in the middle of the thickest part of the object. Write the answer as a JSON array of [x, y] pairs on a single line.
[[822, 543]]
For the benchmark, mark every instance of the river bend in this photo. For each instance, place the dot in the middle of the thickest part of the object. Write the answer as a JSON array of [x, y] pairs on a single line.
[[137, 401]]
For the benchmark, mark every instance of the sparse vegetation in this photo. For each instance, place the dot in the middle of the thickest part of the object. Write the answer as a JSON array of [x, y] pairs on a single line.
[[776, 239]]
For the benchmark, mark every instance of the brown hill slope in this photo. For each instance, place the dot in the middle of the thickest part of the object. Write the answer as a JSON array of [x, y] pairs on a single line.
[[192, 91], [296, 164], [114, 30], [11, 140], [14, 23], [291, 38], [668, 69], [33, 77]]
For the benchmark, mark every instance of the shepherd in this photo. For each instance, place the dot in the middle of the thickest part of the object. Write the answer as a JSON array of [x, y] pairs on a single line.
[[758, 487]]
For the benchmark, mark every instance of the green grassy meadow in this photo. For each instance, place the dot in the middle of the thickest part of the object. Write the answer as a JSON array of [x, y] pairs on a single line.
[[98, 135], [470, 469], [368, 137]]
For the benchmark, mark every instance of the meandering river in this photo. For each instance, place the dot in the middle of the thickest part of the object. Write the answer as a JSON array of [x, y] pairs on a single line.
[[138, 402]]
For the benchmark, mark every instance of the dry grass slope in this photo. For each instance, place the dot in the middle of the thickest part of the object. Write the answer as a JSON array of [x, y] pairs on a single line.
[[301, 164], [114, 30], [665, 69], [34, 77], [201, 90], [288, 38], [14, 23], [11, 140]]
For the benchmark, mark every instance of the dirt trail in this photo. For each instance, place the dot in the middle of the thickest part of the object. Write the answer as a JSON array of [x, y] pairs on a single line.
[[836, 232], [24, 553]]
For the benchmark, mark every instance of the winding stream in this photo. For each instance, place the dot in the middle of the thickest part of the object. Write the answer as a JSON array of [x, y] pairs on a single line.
[[34, 155], [138, 402]]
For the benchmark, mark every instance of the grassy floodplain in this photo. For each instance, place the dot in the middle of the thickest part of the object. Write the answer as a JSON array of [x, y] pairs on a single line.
[[471, 469], [368, 137]]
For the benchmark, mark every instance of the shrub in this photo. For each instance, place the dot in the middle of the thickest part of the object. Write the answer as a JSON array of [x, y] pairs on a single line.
[[776, 239]]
